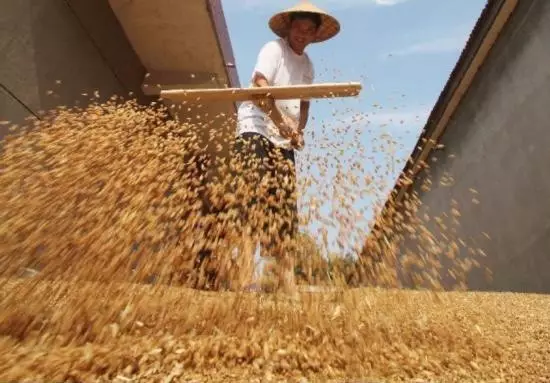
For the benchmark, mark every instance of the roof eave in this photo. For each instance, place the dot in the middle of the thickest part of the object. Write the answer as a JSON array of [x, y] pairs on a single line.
[[215, 9]]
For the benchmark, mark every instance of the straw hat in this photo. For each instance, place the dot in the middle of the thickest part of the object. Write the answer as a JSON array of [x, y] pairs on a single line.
[[280, 22]]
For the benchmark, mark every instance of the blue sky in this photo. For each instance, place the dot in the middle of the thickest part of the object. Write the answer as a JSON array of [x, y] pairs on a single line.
[[402, 51]]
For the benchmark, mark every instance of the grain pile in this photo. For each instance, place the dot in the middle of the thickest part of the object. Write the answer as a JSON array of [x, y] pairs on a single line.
[[104, 199]]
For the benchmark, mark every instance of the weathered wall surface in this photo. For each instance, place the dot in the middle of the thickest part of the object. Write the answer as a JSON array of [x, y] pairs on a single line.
[[500, 139], [70, 47]]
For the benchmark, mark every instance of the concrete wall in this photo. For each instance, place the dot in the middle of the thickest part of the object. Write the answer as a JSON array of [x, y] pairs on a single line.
[[500, 137], [69, 47]]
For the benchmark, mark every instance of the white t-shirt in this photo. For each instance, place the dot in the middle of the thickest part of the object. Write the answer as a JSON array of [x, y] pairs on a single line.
[[281, 66]]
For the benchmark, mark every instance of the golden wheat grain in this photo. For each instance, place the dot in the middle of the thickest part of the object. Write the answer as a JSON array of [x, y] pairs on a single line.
[[107, 204]]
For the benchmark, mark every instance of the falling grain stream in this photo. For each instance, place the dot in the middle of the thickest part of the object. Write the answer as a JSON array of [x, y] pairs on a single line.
[[98, 201]]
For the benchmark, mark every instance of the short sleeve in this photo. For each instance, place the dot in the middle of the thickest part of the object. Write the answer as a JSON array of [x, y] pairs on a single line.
[[268, 61]]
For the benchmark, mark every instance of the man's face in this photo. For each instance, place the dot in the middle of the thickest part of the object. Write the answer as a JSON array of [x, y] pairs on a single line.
[[302, 33]]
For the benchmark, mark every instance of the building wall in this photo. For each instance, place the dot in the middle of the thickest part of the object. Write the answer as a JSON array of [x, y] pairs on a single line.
[[500, 138], [70, 47]]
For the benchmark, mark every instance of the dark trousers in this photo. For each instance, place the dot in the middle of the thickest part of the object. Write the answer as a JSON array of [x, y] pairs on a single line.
[[256, 198], [265, 186]]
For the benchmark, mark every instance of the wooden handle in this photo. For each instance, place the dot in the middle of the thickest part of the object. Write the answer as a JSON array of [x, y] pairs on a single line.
[[327, 90]]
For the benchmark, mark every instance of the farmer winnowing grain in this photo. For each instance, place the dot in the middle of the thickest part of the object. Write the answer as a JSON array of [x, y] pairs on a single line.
[[270, 130]]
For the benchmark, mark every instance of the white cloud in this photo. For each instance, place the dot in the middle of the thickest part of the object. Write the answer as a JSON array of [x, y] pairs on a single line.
[[454, 41], [439, 45], [388, 2], [348, 3], [405, 119], [326, 4]]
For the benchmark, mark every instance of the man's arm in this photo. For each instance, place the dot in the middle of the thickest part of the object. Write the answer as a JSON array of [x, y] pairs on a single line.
[[267, 105], [264, 73], [298, 140], [304, 115]]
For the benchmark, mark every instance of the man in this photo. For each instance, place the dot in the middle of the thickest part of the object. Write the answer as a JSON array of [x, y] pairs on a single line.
[[270, 130]]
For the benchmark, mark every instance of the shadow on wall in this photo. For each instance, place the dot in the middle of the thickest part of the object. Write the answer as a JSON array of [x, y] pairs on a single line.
[[62, 52]]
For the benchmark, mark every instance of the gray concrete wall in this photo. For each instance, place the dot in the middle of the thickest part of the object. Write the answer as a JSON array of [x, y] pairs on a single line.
[[70, 47], [500, 137]]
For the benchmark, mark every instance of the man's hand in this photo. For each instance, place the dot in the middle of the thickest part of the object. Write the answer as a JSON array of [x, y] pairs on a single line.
[[290, 129], [287, 126], [297, 141], [266, 104]]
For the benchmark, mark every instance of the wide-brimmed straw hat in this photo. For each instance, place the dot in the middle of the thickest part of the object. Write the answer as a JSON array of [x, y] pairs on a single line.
[[280, 22]]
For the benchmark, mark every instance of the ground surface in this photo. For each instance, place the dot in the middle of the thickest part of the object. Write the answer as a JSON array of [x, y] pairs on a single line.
[[93, 332]]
